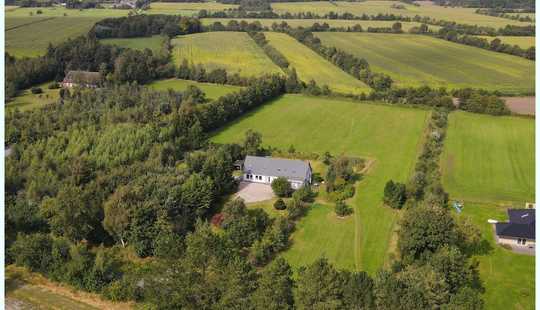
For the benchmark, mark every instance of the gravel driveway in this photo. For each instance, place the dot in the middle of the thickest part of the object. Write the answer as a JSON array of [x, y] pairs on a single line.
[[254, 192]]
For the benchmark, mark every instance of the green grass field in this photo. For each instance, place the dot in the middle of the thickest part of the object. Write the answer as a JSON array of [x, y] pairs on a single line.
[[310, 66], [356, 129], [508, 278], [212, 91], [240, 53], [413, 60], [26, 101], [459, 15], [187, 8], [32, 39], [309, 22], [489, 158], [154, 43], [523, 42]]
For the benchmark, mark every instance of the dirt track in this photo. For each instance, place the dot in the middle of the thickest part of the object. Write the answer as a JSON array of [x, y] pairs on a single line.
[[521, 105]]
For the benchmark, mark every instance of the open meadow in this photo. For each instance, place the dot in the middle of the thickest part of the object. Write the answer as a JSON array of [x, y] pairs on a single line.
[[240, 55], [31, 38], [154, 43], [342, 127], [508, 277], [414, 60], [212, 91], [426, 8], [187, 8], [310, 66], [489, 158]]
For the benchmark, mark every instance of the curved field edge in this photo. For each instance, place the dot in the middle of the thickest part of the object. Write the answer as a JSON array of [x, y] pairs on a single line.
[[342, 127]]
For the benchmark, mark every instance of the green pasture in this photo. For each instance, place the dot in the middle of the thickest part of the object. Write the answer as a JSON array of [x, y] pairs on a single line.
[[234, 51], [212, 91], [32, 39], [26, 101], [426, 8], [507, 277], [266, 22], [523, 42], [310, 66], [153, 43], [187, 8], [342, 127], [415, 60], [59, 11], [489, 158]]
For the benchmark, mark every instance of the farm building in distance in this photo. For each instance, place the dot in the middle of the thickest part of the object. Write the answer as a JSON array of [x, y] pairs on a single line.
[[266, 169], [519, 230], [81, 78]]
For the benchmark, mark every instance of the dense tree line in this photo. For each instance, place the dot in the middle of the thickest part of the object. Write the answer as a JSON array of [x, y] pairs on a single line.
[[269, 50], [481, 102], [495, 45], [519, 4], [145, 25], [506, 14], [359, 68]]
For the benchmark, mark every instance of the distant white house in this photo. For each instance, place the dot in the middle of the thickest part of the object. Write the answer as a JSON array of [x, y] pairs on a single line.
[[266, 169], [82, 79]]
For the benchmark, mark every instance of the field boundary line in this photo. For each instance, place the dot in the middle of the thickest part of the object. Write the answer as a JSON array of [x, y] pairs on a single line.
[[31, 23]]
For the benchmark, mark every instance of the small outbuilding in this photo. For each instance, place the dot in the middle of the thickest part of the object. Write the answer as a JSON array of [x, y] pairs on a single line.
[[82, 79], [266, 169], [519, 231]]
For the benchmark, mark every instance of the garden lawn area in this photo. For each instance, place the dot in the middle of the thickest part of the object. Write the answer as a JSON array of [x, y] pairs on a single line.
[[416, 60], [239, 55], [523, 42], [508, 278], [489, 158], [314, 124], [310, 66], [26, 101], [33, 38], [153, 43], [425, 8], [267, 22], [212, 91]]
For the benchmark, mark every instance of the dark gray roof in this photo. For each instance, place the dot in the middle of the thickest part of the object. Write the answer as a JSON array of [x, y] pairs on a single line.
[[277, 167], [83, 77], [522, 224]]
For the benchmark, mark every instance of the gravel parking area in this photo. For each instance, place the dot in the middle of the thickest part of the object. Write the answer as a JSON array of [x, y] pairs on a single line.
[[254, 192]]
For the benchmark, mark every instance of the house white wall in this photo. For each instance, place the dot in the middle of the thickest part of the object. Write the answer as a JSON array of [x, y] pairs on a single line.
[[256, 178], [516, 241]]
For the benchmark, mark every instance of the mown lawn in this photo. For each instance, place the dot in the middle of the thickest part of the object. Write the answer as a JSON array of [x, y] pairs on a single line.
[[26, 101], [154, 43], [508, 278], [426, 8], [212, 91], [489, 158], [413, 60], [390, 135], [310, 66], [33, 38], [234, 51]]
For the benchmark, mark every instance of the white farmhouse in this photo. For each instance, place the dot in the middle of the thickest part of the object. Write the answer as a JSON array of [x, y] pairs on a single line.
[[266, 169]]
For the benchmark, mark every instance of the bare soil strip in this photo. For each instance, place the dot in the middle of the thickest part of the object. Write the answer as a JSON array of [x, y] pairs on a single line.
[[521, 105]]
